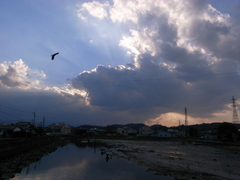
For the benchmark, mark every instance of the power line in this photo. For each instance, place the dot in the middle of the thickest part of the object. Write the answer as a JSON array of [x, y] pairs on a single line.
[[12, 115], [14, 109]]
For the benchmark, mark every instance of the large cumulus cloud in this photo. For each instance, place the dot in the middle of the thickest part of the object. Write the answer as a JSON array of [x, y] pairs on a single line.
[[185, 54], [17, 75]]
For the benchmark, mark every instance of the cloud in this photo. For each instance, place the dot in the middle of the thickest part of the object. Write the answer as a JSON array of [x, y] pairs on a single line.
[[185, 54], [182, 52], [95, 9], [22, 88], [17, 75]]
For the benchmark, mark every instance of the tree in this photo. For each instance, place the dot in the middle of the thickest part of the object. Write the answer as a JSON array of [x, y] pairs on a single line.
[[193, 132], [227, 131]]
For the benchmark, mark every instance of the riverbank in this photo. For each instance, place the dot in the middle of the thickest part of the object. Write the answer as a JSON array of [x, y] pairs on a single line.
[[15, 161], [180, 159]]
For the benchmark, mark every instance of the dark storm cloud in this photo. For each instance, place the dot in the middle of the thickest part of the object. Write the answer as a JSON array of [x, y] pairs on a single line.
[[152, 86], [57, 108], [220, 39]]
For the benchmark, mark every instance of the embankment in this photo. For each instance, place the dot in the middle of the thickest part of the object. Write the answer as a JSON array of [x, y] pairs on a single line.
[[15, 154]]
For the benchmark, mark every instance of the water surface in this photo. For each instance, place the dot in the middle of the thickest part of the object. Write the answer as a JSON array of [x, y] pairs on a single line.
[[85, 163]]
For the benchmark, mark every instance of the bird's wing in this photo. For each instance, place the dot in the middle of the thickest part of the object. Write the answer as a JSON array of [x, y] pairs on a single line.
[[53, 55]]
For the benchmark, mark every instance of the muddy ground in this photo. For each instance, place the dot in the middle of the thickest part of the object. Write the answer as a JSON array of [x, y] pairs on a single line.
[[180, 159]]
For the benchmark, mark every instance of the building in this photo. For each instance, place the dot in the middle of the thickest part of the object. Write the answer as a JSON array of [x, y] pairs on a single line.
[[120, 131], [126, 132], [210, 135], [145, 131], [66, 129], [176, 133], [162, 134], [60, 128]]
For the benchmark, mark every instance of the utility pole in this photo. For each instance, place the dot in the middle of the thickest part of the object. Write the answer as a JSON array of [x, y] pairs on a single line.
[[186, 120], [34, 117], [235, 119], [43, 121]]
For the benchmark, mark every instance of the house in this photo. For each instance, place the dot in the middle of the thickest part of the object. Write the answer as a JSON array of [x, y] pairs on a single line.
[[61, 128], [96, 131], [210, 135], [176, 133], [23, 124], [55, 128], [145, 131], [129, 132], [20, 132], [17, 129], [120, 131], [111, 133], [162, 134], [180, 134], [66, 129]]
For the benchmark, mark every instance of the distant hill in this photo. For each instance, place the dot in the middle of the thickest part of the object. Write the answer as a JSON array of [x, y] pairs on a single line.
[[158, 127], [89, 126], [135, 126], [131, 125], [206, 127], [200, 127]]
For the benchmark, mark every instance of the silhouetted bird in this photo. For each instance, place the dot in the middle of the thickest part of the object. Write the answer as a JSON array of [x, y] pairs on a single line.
[[54, 55]]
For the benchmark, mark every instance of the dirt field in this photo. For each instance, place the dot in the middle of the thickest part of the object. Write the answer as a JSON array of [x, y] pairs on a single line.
[[180, 159]]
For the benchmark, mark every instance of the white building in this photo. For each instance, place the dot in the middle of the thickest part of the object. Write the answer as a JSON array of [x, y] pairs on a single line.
[[162, 134]]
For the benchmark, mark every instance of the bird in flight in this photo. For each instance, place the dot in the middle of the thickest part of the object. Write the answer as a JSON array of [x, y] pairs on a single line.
[[53, 55]]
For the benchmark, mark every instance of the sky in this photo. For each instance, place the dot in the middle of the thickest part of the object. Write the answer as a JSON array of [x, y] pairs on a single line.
[[119, 62]]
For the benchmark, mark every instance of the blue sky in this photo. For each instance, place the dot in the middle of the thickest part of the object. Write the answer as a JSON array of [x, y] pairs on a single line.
[[119, 61], [35, 30]]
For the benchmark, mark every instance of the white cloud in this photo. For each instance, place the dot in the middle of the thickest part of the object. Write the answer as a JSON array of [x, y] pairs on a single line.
[[123, 11], [71, 93], [19, 75], [145, 17], [138, 42], [15, 75], [95, 9]]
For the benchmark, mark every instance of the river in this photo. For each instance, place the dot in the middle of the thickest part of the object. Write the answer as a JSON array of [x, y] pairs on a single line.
[[85, 163]]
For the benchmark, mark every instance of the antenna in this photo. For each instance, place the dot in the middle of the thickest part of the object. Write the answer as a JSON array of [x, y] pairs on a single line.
[[235, 119]]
